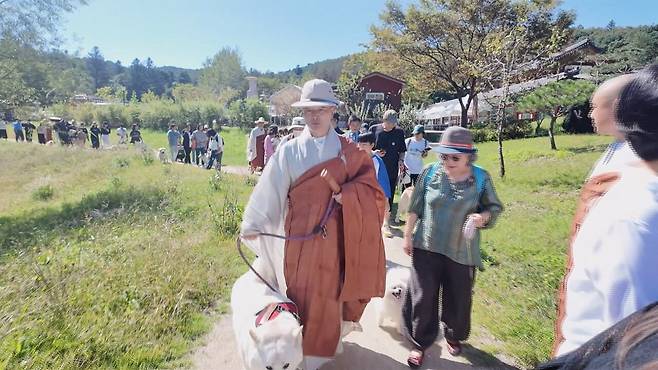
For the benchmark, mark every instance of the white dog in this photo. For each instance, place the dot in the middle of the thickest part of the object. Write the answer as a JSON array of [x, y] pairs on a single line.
[[397, 280], [268, 335], [403, 203], [162, 155]]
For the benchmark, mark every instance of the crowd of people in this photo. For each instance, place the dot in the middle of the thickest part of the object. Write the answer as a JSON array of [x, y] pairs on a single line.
[[608, 299], [202, 146]]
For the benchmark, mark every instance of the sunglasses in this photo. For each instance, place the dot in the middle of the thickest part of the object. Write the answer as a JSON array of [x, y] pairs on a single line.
[[453, 158]]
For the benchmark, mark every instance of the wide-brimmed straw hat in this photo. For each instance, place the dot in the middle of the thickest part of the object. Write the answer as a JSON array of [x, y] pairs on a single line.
[[316, 93], [455, 140]]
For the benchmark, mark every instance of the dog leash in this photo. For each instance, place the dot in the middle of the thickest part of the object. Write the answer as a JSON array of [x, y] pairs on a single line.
[[320, 229]]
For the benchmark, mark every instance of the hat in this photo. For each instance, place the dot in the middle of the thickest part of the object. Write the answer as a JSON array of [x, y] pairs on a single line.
[[260, 120], [418, 129], [316, 93], [455, 140], [391, 116]]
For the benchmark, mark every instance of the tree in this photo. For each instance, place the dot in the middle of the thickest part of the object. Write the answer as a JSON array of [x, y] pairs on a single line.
[[33, 22], [243, 112], [97, 68], [224, 70], [555, 99], [452, 42], [184, 78], [189, 92]]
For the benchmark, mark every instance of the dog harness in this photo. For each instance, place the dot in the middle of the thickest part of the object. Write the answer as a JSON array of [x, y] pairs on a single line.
[[271, 311]]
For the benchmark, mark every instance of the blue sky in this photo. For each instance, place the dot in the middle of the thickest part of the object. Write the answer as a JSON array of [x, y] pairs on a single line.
[[271, 35]]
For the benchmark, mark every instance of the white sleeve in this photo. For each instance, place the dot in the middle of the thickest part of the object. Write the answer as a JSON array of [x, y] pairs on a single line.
[[628, 280], [266, 206]]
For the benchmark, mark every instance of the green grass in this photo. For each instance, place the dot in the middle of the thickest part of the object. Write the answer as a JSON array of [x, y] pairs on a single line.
[[525, 251], [122, 265]]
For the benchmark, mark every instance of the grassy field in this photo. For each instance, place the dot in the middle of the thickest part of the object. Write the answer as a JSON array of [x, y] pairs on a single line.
[[111, 261]]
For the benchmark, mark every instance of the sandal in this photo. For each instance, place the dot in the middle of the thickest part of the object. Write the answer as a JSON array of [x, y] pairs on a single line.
[[415, 359], [454, 348]]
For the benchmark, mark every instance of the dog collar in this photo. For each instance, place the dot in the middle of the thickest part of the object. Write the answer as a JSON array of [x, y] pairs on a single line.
[[271, 311]]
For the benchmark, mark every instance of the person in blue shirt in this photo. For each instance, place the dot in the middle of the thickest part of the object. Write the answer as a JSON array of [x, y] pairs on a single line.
[[18, 131], [366, 143], [174, 138]]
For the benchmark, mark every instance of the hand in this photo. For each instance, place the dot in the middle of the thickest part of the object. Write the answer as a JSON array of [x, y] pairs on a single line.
[[479, 219], [338, 198], [380, 152], [408, 246]]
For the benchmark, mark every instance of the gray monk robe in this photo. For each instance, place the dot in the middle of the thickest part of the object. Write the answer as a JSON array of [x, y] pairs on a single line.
[[330, 279]]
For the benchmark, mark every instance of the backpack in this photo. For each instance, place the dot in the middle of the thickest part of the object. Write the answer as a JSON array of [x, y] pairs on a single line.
[[478, 174]]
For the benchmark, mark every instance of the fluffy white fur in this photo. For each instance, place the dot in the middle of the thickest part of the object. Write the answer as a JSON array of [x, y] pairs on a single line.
[[403, 203], [275, 344], [162, 155], [397, 279]]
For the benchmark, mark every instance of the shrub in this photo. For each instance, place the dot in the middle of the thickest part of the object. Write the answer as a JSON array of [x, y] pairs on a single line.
[[43, 193]]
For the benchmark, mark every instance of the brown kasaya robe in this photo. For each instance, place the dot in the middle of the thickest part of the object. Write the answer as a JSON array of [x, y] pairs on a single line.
[[259, 161], [592, 191], [332, 279]]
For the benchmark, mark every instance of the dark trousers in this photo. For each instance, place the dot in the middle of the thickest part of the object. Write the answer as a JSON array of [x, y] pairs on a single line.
[[392, 171], [18, 135], [188, 153], [95, 143], [3, 134], [42, 138], [437, 284]]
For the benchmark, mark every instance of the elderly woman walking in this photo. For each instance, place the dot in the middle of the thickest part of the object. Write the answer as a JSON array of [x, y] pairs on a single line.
[[452, 200]]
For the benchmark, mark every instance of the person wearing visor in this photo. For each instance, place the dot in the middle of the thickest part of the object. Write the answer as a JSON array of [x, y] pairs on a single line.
[[453, 199]]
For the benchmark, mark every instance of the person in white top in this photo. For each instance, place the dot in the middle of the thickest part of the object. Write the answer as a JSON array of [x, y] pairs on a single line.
[[615, 252], [417, 149], [604, 173], [122, 133], [618, 154]]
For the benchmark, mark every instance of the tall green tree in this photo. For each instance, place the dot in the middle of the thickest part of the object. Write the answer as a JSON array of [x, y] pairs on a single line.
[[97, 68], [453, 42], [555, 99], [224, 70], [33, 22]]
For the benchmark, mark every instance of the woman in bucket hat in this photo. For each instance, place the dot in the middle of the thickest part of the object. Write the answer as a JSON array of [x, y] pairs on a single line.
[[452, 200]]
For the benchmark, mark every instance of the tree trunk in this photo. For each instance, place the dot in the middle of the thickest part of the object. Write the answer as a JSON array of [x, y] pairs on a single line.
[[500, 148], [464, 121], [539, 122], [550, 133]]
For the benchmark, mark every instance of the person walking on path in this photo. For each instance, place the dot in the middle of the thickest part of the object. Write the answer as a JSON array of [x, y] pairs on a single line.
[[613, 251], [28, 127], [122, 133], [354, 125], [105, 135], [18, 131], [417, 149], [187, 144], [452, 200], [95, 134], [255, 150], [332, 274], [173, 138], [389, 144], [271, 142], [216, 147], [135, 135], [41, 132], [200, 142]]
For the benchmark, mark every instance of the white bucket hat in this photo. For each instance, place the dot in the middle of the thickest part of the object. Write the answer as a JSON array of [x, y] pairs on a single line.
[[316, 93]]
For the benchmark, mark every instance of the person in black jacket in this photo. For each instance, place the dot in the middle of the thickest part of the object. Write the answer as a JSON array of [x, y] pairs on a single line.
[[95, 136], [186, 143], [390, 146]]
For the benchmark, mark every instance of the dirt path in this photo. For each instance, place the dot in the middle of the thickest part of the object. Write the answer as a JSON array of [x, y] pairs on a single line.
[[374, 348]]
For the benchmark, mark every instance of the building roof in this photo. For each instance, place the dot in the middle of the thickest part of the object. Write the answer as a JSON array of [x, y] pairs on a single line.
[[379, 74]]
